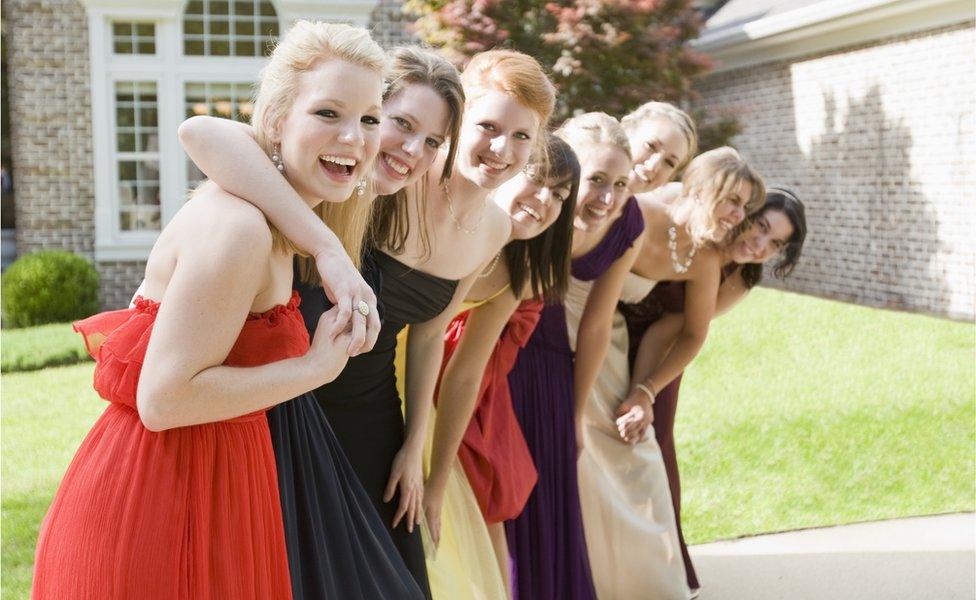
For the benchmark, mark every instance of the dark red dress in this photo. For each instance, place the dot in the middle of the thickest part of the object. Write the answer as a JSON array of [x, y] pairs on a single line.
[[493, 453], [187, 513]]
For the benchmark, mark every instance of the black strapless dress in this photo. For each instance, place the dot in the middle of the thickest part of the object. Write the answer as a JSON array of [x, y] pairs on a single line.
[[338, 546], [364, 406]]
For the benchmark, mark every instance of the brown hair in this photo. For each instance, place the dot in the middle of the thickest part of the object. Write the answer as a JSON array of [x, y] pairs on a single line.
[[305, 45], [390, 224]]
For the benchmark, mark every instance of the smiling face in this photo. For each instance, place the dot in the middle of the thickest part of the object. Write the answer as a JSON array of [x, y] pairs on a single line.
[[330, 136], [730, 210], [415, 123], [532, 203], [604, 169], [766, 238], [659, 146], [497, 138]]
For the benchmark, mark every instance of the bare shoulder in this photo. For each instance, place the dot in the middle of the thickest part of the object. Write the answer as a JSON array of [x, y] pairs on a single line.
[[224, 223], [500, 221], [654, 204], [707, 263]]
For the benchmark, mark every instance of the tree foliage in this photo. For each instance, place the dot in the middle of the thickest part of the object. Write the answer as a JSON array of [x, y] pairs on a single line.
[[608, 55]]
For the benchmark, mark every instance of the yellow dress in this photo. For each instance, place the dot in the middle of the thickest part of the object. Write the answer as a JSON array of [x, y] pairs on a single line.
[[464, 566]]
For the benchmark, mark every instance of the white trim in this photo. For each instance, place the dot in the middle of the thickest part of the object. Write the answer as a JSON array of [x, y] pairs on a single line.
[[824, 26], [355, 12]]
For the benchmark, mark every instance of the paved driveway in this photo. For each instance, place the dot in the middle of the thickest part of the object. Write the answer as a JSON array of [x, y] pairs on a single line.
[[919, 558]]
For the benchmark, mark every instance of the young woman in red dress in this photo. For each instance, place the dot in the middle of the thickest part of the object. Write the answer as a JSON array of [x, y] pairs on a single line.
[[173, 493]]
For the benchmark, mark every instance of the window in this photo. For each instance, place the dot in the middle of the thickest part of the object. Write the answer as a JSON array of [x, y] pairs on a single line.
[[227, 100], [133, 38], [137, 155], [229, 27]]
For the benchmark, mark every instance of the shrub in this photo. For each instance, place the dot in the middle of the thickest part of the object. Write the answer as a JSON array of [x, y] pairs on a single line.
[[605, 55], [51, 286]]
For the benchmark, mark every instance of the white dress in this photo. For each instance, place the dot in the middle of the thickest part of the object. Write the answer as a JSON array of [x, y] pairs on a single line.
[[628, 518]]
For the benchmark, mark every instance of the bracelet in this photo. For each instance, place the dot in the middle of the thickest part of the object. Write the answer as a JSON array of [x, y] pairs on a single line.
[[646, 390]]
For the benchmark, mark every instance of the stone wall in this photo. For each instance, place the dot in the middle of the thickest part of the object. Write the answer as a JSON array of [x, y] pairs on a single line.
[[879, 142]]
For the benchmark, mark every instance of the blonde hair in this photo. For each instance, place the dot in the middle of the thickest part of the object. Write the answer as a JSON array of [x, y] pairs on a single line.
[[712, 177], [518, 75], [305, 45], [592, 128], [658, 110]]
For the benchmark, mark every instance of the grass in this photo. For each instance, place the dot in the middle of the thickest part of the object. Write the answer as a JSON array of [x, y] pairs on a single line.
[[800, 412], [804, 412], [45, 416], [33, 348]]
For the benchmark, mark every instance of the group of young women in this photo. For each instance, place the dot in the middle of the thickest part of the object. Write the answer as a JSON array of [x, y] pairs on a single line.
[[387, 239]]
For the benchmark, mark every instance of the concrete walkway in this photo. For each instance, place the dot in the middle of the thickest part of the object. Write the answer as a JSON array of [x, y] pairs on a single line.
[[920, 558]]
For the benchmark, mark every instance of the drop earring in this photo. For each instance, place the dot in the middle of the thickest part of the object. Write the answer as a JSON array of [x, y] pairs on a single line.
[[361, 187], [276, 158]]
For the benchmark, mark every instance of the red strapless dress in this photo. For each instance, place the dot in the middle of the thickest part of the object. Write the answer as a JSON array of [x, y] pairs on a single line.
[[493, 452], [187, 513]]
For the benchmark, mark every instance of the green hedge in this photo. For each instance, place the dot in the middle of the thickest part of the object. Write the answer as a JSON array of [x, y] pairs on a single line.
[[52, 286]]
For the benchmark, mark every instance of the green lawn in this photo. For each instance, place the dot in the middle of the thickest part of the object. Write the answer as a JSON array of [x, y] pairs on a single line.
[[34, 348], [800, 412], [45, 416], [803, 412]]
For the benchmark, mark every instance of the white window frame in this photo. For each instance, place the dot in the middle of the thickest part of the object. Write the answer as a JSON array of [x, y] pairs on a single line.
[[171, 70]]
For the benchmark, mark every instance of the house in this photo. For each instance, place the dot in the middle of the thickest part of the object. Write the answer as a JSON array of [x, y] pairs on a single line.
[[864, 107]]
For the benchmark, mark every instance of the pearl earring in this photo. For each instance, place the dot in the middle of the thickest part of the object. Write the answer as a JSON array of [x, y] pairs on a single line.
[[361, 187], [276, 158]]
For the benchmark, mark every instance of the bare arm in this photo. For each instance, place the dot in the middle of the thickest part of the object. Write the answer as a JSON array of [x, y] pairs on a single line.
[[654, 345], [200, 317], [593, 337], [459, 390], [425, 351], [247, 172]]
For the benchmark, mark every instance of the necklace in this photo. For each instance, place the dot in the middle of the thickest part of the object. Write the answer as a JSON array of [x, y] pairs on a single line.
[[491, 267], [673, 247], [457, 223]]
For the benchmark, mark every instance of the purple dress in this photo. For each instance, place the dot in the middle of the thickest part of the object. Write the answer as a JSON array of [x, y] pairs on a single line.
[[546, 542]]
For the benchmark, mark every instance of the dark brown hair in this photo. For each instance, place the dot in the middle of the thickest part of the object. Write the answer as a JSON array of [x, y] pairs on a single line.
[[544, 261], [787, 202], [390, 223]]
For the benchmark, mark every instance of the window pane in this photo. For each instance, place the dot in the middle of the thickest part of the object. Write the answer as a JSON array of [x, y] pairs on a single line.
[[242, 48], [243, 8], [267, 9], [145, 29], [125, 142], [123, 47], [244, 27], [219, 48], [193, 47], [133, 38], [147, 48], [121, 29], [219, 7], [219, 27], [194, 7], [193, 26]]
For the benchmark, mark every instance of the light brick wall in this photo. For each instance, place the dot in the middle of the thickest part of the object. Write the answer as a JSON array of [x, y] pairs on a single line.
[[389, 25], [879, 142], [50, 122]]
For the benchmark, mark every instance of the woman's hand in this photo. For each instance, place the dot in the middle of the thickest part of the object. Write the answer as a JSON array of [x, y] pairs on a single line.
[[407, 476], [634, 416], [327, 355], [433, 504], [345, 287]]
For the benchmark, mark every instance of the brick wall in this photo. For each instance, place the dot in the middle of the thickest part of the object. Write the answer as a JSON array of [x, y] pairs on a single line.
[[389, 25], [879, 142], [50, 122]]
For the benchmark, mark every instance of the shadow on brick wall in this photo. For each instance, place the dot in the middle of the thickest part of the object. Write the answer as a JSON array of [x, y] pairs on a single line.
[[887, 237]]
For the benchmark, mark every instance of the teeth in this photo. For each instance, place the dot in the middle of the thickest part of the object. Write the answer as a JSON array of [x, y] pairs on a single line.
[[396, 165], [597, 211], [493, 164], [339, 160], [530, 212]]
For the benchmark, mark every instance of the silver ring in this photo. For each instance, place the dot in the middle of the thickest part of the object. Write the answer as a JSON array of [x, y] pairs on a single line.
[[363, 308]]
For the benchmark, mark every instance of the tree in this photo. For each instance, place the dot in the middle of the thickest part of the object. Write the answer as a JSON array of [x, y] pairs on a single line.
[[607, 55]]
